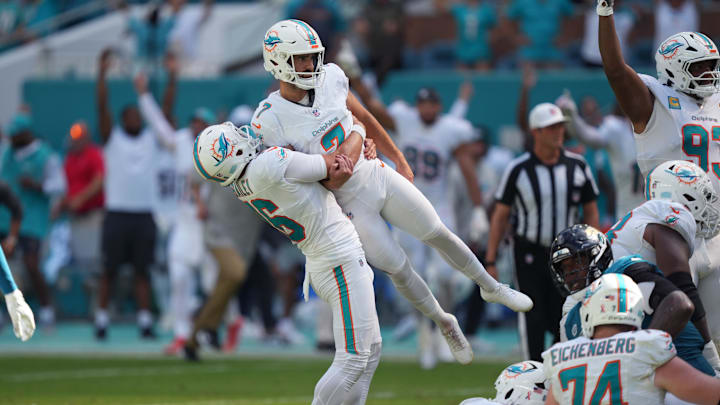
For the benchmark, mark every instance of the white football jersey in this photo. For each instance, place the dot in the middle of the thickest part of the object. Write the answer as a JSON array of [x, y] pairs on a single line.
[[629, 182], [307, 213], [316, 129], [627, 235], [429, 150], [680, 129], [615, 370]]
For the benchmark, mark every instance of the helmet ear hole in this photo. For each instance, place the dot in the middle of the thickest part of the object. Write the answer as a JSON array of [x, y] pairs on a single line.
[[689, 197], [509, 393], [540, 385], [239, 153]]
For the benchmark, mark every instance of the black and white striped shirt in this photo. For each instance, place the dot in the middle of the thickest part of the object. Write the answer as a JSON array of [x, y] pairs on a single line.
[[544, 199]]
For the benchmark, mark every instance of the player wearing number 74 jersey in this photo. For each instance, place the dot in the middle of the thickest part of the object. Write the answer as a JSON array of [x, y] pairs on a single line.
[[284, 188], [675, 116], [620, 364]]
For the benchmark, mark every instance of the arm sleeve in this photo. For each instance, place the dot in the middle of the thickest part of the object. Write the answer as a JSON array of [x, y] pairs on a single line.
[[654, 347], [54, 177], [153, 115], [7, 283], [10, 200], [303, 168], [654, 286]]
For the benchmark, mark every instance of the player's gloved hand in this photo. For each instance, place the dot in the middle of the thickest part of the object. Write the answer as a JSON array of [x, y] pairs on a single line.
[[567, 104], [711, 355], [479, 225], [21, 315], [347, 60], [605, 7]]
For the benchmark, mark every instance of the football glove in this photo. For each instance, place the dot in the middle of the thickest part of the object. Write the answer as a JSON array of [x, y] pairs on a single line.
[[479, 225], [605, 7], [22, 317]]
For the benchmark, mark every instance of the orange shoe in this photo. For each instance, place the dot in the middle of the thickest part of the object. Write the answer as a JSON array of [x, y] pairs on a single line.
[[175, 347], [233, 335]]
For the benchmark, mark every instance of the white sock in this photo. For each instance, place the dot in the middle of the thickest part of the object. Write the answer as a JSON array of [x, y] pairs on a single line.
[[102, 319], [416, 291], [144, 318]]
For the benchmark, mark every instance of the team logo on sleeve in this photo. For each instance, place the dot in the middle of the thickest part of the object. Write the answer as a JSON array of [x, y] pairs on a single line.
[[281, 154], [672, 220], [673, 103]]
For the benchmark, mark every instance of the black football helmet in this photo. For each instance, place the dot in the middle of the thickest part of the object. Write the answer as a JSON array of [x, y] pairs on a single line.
[[578, 256]]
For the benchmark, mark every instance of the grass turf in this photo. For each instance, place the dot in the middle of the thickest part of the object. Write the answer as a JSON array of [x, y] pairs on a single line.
[[111, 380]]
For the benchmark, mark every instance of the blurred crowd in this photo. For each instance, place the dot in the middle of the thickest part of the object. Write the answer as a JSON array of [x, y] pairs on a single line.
[[244, 274]]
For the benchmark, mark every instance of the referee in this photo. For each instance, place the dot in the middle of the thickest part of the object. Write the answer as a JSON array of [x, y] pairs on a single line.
[[541, 192]]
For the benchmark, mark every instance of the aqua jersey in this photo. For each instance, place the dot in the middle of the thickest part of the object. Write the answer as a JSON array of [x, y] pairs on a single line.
[[36, 204], [689, 343]]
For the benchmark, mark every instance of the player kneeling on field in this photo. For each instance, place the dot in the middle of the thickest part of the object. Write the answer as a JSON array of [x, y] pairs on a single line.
[[615, 361], [519, 384]]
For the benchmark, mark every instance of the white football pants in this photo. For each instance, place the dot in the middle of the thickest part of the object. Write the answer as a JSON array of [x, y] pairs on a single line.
[[185, 253], [349, 290]]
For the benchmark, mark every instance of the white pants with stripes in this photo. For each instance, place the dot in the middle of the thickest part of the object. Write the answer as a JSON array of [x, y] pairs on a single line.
[[348, 289]]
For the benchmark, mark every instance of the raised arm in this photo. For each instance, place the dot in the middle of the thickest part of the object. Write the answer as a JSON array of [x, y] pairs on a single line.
[[168, 103], [104, 116], [632, 94], [529, 80], [461, 105], [378, 134], [152, 114], [376, 107]]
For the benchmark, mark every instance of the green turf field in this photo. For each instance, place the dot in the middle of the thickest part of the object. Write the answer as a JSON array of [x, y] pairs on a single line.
[[74, 380]]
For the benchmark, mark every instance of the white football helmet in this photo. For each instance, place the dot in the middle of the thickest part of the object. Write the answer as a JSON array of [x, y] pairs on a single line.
[[674, 57], [522, 383], [293, 37], [222, 151], [612, 299], [686, 183]]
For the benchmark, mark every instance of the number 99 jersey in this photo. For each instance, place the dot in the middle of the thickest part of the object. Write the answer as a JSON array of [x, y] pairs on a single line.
[[681, 129], [428, 150], [615, 370]]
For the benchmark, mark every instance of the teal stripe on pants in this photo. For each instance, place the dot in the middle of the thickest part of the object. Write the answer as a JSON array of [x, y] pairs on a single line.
[[346, 311]]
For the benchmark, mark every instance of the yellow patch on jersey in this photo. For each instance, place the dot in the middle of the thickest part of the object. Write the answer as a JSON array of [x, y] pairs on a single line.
[[673, 103]]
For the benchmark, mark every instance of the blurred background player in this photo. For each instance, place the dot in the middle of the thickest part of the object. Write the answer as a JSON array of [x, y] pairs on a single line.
[[293, 53], [186, 247], [34, 173], [615, 359], [280, 181], [671, 117], [21, 315], [545, 190], [129, 231], [521, 383]]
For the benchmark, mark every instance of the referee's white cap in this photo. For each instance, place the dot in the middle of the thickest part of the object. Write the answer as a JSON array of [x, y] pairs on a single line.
[[545, 114]]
